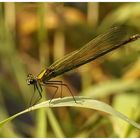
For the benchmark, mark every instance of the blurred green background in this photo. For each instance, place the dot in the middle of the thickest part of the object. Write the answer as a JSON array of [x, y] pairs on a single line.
[[34, 35]]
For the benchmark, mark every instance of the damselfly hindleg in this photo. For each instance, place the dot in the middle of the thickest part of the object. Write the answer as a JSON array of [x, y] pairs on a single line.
[[61, 84]]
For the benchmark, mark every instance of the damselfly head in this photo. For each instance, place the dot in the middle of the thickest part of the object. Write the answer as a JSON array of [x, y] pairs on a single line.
[[30, 79]]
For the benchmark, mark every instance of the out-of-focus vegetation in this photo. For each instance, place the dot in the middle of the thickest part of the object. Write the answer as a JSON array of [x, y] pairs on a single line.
[[34, 35]]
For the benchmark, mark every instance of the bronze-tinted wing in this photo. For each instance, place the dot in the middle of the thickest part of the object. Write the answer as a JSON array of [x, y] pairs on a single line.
[[99, 46]]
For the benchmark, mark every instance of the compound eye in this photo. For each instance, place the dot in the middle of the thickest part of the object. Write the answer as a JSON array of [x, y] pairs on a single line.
[[30, 79]]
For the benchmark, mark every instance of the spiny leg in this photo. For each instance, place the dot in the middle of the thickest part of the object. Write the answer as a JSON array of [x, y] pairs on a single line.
[[30, 103], [39, 89], [54, 92], [51, 82]]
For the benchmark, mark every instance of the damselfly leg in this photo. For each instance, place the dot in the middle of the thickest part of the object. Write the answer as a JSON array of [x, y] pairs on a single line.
[[59, 83], [37, 86], [54, 84]]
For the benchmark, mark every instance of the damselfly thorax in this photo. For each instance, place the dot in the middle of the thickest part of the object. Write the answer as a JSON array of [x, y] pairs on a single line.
[[43, 79]]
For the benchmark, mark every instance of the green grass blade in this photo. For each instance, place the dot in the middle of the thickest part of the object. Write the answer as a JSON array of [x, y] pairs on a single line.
[[55, 125], [81, 102]]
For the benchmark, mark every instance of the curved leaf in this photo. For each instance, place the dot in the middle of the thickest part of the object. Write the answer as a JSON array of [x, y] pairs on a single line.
[[84, 102]]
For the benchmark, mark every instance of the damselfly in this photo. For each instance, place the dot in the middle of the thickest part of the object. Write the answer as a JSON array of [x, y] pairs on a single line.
[[99, 46]]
